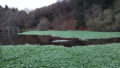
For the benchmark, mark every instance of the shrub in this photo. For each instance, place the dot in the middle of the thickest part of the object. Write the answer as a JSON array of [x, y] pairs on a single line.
[[91, 24], [117, 22], [102, 22], [117, 4], [108, 12], [43, 24], [117, 18]]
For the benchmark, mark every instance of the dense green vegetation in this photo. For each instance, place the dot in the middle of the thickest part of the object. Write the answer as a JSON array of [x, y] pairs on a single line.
[[50, 56], [76, 34], [98, 15], [0, 53], [27, 56]]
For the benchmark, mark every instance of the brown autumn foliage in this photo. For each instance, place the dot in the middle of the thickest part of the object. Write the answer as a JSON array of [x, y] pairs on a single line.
[[43, 24], [56, 14], [12, 18], [99, 15]]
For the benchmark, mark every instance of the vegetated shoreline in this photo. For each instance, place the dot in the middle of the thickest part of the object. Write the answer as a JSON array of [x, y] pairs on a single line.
[[74, 34], [51, 40], [65, 38]]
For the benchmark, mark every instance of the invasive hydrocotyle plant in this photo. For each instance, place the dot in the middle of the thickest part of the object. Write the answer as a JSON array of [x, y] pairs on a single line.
[[0, 53]]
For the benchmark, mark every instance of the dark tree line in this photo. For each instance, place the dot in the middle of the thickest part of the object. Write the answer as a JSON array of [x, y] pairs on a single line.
[[87, 13], [81, 5], [10, 17]]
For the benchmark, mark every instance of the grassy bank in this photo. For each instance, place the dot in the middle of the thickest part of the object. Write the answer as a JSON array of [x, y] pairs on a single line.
[[75, 34], [100, 56]]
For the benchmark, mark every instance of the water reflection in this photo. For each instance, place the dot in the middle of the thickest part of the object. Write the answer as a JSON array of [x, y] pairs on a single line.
[[16, 39], [5, 39]]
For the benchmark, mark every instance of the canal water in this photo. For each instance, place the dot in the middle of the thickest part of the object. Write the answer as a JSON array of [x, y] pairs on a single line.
[[15, 39]]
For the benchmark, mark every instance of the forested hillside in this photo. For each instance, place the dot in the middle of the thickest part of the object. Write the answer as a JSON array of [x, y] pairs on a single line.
[[11, 17], [98, 15]]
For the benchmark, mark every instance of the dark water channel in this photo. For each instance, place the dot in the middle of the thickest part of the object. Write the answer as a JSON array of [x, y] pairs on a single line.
[[16, 39]]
